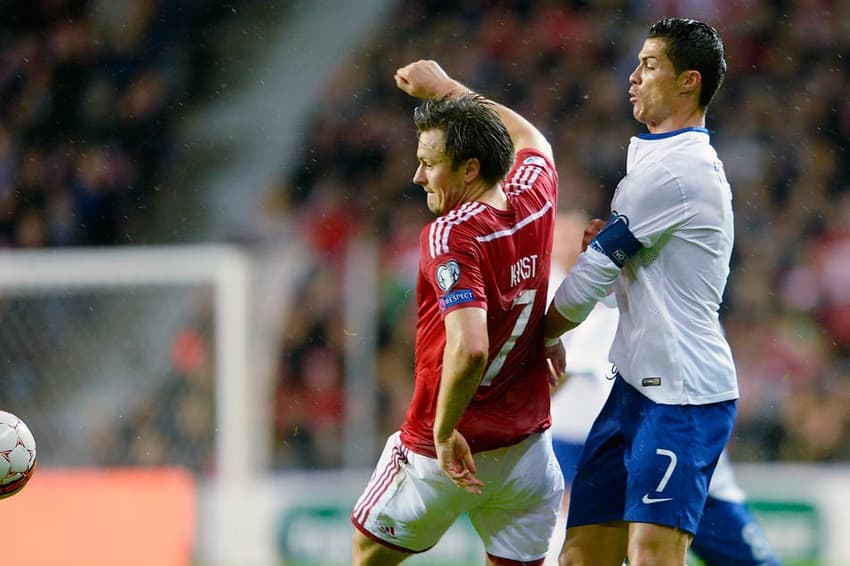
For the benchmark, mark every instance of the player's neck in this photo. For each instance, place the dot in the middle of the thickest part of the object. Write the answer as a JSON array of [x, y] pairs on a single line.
[[494, 196], [689, 118]]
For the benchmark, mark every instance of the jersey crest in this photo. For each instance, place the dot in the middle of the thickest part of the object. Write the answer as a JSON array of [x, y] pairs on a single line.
[[447, 275]]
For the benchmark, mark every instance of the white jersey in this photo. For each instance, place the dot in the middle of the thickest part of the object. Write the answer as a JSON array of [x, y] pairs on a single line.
[[675, 201], [576, 403]]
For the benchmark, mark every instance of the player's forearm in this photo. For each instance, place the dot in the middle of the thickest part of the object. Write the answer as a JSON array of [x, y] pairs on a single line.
[[555, 324], [461, 375], [426, 79]]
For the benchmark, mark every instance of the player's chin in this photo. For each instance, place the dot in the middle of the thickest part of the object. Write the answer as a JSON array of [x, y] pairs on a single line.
[[434, 204], [636, 112]]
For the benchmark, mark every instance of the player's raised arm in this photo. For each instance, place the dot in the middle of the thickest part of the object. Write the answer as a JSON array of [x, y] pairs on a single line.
[[427, 79]]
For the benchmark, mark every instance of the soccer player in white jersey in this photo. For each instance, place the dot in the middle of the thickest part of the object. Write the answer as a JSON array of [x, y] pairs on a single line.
[[643, 475], [728, 533]]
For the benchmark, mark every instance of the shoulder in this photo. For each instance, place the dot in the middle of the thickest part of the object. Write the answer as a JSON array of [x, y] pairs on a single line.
[[453, 231], [696, 169], [532, 169], [530, 162], [531, 157], [676, 161]]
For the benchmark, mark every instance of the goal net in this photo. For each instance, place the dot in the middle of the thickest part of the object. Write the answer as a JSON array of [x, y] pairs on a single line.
[[130, 356]]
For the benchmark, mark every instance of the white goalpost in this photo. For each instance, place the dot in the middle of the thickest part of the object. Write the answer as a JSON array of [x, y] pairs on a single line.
[[136, 296]]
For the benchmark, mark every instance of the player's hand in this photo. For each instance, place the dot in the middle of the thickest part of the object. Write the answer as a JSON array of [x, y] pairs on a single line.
[[556, 360], [591, 230], [425, 79], [456, 461]]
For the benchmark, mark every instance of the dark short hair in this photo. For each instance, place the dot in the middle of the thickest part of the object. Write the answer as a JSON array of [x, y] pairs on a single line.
[[694, 45], [472, 129]]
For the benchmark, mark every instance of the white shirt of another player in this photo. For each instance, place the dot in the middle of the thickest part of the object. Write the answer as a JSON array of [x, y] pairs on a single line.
[[577, 402], [677, 204]]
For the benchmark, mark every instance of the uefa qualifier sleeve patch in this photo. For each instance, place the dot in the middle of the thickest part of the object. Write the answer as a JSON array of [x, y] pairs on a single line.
[[446, 275], [616, 241]]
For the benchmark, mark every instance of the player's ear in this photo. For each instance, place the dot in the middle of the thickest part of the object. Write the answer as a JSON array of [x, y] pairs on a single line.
[[690, 81], [472, 168]]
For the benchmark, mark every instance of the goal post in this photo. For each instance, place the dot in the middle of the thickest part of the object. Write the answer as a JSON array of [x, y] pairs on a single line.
[[225, 271]]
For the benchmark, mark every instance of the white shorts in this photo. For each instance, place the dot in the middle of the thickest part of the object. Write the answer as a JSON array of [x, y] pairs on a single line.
[[409, 502]]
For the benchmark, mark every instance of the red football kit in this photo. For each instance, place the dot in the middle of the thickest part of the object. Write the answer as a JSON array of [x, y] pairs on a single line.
[[478, 256]]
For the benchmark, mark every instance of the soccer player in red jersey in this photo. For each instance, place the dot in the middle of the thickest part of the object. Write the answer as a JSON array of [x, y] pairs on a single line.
[[476, 437]]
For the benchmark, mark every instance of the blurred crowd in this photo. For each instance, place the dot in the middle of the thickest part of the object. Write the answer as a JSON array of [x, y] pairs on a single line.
[[781, 123], [93, 91]]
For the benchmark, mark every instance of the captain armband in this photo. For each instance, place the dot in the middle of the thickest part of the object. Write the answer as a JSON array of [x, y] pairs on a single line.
[[616, 241]]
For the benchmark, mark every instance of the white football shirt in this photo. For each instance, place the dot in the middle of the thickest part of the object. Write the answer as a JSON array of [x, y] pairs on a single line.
[[677, 203], [576, 404]]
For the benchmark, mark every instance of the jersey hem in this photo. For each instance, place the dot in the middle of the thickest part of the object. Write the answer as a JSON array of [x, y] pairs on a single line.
[[433, 453], [370, 535], [687, 400]]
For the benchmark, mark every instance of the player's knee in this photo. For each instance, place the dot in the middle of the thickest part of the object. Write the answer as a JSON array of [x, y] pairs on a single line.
[[573, 556]]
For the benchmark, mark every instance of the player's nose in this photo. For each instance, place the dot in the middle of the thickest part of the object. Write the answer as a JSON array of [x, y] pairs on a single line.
[[419, 176]]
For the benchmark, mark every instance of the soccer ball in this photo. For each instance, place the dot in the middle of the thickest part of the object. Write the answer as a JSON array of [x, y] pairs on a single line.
[[17, 454]]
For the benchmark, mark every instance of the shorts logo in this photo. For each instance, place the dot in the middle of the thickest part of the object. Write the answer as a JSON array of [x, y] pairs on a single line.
[[447, 275], [388, 530], [649, 500]]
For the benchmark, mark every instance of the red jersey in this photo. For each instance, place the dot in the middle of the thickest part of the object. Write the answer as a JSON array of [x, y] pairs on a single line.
[[478, 256]]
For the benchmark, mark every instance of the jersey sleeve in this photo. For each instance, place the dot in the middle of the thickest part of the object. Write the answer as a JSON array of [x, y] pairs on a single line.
[[454, 274], [533, 169]]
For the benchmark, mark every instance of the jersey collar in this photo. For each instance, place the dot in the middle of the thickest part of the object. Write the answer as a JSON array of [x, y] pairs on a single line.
[[648, 136]]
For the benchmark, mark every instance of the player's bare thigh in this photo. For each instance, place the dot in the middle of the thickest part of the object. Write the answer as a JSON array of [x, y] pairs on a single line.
[[651, 544], [595, 545], [608, 544], [367, 552]]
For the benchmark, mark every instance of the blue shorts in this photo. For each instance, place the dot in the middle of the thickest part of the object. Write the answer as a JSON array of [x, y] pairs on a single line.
[[728, 535], [645, 462]]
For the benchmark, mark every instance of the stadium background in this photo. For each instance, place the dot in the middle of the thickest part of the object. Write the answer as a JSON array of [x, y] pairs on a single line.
[[267, 140]]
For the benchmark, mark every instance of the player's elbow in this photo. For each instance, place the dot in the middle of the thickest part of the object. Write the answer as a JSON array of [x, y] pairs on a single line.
[[469, 353], [474, 354]]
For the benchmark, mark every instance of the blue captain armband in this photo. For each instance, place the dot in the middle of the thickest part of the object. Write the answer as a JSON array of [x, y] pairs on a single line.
[[616, 240]]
